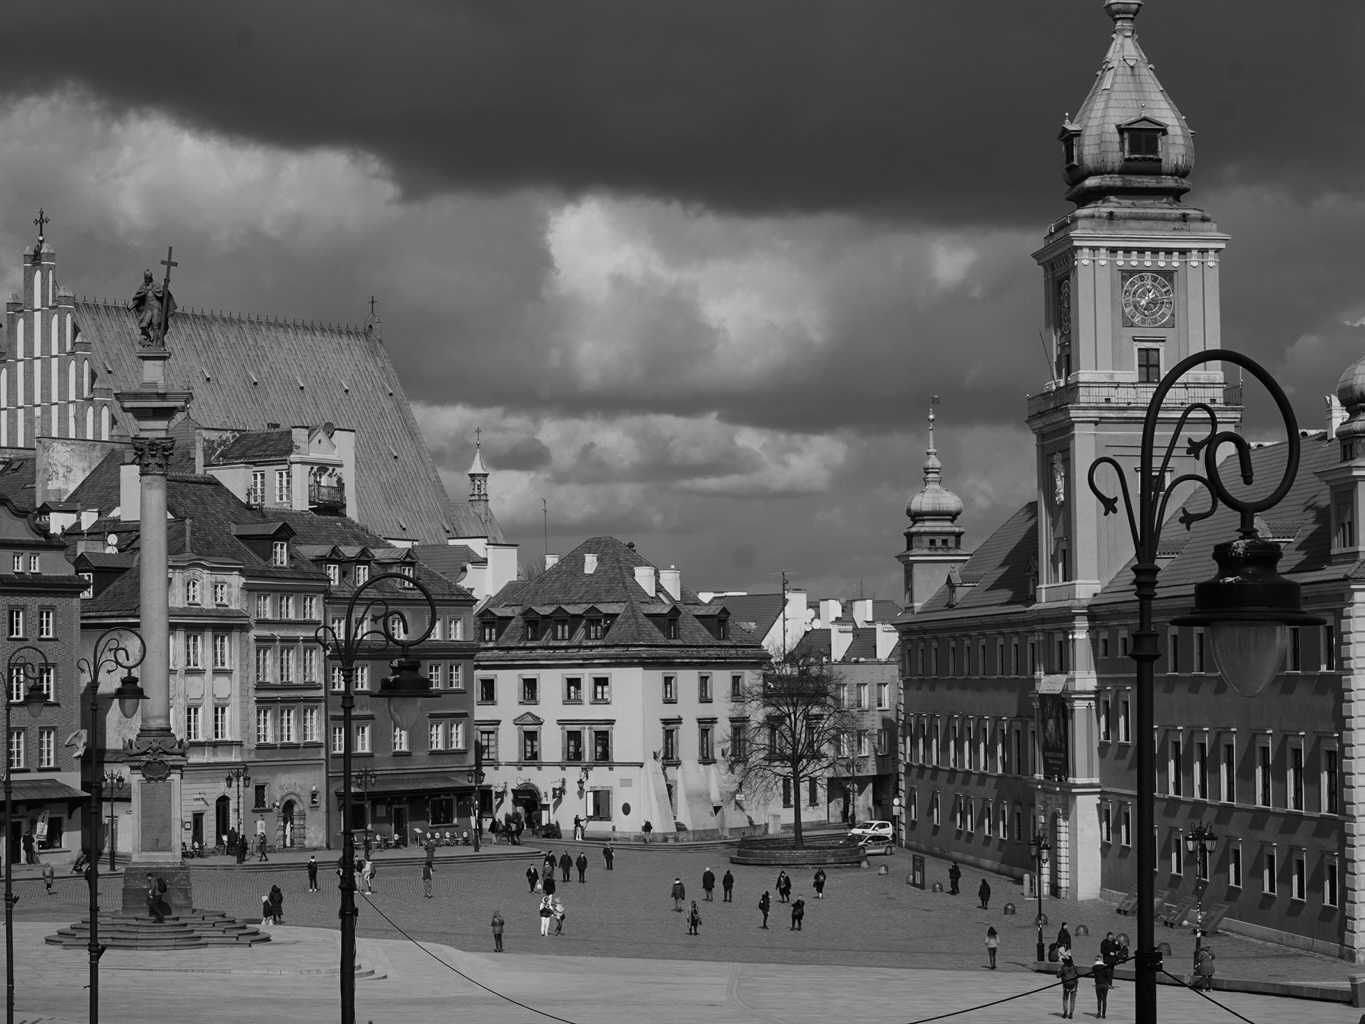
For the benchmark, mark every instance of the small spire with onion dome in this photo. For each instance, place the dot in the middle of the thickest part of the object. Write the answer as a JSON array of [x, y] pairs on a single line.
[[933, 502]]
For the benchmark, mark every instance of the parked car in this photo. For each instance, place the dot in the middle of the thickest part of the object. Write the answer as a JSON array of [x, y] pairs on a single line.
[[873, 845], [872, 828]]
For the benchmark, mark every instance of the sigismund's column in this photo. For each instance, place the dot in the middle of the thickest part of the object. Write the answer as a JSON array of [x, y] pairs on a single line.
[[158, 756]]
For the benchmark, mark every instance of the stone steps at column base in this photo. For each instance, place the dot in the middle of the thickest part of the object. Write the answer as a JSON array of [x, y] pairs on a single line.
[[191, 930]]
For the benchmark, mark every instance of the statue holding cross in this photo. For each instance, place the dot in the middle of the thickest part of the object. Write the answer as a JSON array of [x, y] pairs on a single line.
[[154, 306]]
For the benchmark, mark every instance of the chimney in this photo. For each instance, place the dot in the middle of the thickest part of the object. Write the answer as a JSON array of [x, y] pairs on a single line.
[[840, 637], [129, 493], [589, 563], [830, 610], [886, 640], [1336, 415], [644, 575], [862, 611], [671, 580], [551, 561]]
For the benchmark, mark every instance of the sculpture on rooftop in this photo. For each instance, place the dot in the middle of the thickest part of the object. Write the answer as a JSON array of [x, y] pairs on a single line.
[[154, 306]]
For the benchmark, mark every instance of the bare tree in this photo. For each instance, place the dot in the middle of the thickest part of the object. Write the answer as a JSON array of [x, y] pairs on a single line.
[[795, 719]]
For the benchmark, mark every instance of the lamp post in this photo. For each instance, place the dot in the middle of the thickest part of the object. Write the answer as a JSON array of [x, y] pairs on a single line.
[[1247, 606], [1039, 849], [403, 690], [117, 649], [1201, 842], [367, 777], [240, 779], [20, 670], [896, 820], [114, 783], [475, 776]]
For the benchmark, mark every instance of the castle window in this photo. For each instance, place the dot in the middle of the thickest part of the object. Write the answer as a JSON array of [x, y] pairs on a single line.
[[1069, 147], [1149, 365], [1142, 141]]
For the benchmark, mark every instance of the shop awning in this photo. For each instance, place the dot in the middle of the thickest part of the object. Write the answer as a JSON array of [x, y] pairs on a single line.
[[40, 790]]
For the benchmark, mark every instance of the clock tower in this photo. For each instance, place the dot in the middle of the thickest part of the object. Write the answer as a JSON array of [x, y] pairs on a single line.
[[1130, 287]]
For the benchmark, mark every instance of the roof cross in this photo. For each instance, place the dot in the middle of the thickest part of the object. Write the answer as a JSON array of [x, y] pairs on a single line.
[[42, 220], [372, 304], [166, 300], [478, 436]]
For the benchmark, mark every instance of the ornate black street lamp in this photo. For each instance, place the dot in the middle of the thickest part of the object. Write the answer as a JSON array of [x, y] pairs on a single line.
[[1201, 842], [114, 784], [365, 778], [241, 779], [1039, 849], [19, 670], [1247, 607], [385, 626], [117, 649], [475, 776]]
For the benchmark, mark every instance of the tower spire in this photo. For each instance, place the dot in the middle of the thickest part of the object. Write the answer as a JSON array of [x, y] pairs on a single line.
[[478, 471]]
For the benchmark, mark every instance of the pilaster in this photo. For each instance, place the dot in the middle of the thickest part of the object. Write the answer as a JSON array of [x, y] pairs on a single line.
[[1353, 772]]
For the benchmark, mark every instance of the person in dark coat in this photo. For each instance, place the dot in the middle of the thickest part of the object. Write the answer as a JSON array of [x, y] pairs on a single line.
[[764, 905], [708, 884], [727, 886], [783, 886], [608, 854], [1109, 951], [819, 883], [565, 865], [1063, 938], [312, 874], [582, 864], [276, 905], [1104, 981], [983, 893], [260, 848], [798, 913], [693, 920], [548, 884], [497, 931], [954, 876], [1071, 981], [677, 892], [532, 877], [241, 850]]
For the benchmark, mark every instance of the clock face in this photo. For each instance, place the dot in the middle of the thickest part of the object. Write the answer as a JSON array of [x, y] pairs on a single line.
[[1148, 300]]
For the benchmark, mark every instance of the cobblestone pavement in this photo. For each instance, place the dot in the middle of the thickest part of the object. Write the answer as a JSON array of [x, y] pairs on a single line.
[[867, 921], [294, 978]]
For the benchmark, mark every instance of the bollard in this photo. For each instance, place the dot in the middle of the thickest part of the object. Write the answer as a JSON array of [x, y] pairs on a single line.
[[1358, 992], [1010, 910]]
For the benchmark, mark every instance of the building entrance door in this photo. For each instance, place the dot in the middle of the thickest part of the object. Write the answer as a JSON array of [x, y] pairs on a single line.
[[197, 831], [287, 824], [400, 824], [222, 820]]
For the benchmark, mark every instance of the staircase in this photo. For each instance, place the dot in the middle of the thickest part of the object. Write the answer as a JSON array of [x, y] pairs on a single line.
[[191, 930]]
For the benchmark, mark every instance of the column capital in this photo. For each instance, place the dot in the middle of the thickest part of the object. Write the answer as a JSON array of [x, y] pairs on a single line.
[[153, 454]]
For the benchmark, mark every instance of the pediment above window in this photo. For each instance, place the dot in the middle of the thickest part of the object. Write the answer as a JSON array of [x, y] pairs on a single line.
[[527, 718]]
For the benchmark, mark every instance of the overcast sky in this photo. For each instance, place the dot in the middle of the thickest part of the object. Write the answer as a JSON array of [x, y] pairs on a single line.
[[695, 268]]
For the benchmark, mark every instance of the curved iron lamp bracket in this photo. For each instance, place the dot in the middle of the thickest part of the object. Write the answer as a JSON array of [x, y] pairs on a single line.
[[385, 609], [117, 648], [1154, 494]]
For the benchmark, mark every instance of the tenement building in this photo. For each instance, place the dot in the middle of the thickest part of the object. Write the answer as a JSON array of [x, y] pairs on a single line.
[[604, 691], [1018, 717]]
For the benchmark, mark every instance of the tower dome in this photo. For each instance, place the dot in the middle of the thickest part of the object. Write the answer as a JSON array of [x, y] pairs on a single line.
[[934, 501], [1351, 395], [1128, 138]]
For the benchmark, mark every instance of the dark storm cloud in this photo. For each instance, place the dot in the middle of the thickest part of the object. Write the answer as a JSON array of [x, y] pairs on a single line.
[[940, 111]]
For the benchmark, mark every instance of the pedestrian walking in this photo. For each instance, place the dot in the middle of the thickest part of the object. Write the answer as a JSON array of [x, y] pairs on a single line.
[[426, 878], [1109, 950], [49, 876], [559, 917], [992, 944], [577, 828], [708, 884], [819, 883], [367, 874], [1203, 968], [678, 892], [532, 877], [548, 864], [312, 874], [30, 849], [983, 893], [608, 854], [276, 905], [764, 905], [727, 886], [693, 920], [784, 887], [155, 887], [954, 877], [1071, 981], [260, 849], [267, 911], [798, 913], [1104, 981], [582, 864], [546, 911], [548, 884], [241, 850], [497, 923], [1063, 939], [565, 865]]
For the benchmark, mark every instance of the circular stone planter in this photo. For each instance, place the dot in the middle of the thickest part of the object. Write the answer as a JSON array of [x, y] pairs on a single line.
[[831, 851]]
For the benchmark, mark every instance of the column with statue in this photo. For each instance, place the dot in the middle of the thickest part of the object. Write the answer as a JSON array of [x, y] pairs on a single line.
[[157, 756]]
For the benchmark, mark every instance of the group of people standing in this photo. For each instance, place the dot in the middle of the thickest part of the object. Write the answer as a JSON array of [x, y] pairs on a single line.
[[678, 894]]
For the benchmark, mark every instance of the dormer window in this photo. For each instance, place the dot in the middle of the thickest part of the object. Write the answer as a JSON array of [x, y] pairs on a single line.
[[192, 591], [279, 553], [1069, 137], [561, 629], [362, 573], [672, 628], [532, 629], [333, 573], [723, 628], [594, 627], [488, 631], [1142, 139], [406, 570]]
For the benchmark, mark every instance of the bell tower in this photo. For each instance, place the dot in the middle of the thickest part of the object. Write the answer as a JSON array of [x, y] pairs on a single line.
[[1130, 287]]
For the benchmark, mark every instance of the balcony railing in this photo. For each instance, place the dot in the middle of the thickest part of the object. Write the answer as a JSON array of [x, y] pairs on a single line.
[[1054, 396], [327, 497]]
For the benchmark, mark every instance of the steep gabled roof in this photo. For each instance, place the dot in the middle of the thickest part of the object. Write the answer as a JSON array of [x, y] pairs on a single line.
[[247, 372], [999, 571], [755, 613], [253, 446]]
